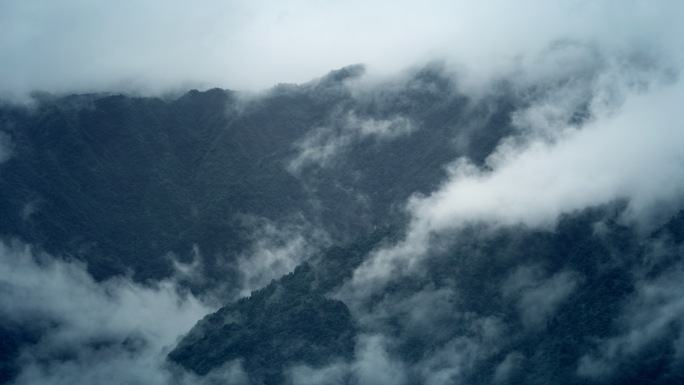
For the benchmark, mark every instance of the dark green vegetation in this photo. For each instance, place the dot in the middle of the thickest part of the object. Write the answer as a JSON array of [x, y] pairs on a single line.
[[288, 322], [121, 183], [542, 301], [283, 324], [508, 280]]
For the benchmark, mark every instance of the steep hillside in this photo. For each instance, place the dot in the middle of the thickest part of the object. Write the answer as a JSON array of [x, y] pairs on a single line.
[[120, 182], [406, 230], [509, 305]]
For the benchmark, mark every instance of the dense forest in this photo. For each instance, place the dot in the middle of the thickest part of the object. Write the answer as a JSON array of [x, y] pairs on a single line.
[[301, 219]]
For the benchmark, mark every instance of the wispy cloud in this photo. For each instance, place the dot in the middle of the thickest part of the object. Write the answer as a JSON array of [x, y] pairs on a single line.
[[373, 364], [90, 332], [276, 249], [538, 297], [628, 149], [324, 144], [377, 362]]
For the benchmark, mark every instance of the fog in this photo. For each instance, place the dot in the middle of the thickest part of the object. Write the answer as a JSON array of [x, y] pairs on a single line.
[[88, 332], [163, 46]]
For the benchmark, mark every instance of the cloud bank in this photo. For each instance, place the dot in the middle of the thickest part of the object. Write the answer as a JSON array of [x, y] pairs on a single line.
[[158, 46], [628, 149], [89, 332]]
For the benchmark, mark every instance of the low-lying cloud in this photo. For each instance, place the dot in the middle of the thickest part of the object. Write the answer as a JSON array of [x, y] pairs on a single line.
[[324, 144], [621, 154], [90, 332], [629, 149], [373, 364], [376, 360], [538, 297], [276, 250]]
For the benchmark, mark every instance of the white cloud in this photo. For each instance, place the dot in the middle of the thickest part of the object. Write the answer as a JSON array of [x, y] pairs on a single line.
[[508, 367], [276, 250], [456, 359], [90, 332], [538, 297], [372, 364], [375, 362], [324, 144], [629, 149], [633, 153], [159, 45], [334, 374]]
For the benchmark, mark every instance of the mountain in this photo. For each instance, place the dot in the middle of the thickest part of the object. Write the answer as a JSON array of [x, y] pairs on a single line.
[[119, 182], [549, 299], [290, 321], [318, 233], [135, 185]]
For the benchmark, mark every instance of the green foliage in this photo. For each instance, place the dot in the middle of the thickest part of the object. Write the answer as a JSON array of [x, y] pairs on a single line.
[[119, 181], [284, 323], [290, 321]]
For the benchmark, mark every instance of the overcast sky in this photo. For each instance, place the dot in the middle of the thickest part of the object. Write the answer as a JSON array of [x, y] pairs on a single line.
[[161, 45]]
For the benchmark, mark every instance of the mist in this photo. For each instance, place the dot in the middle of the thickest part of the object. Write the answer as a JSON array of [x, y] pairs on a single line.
[[166, 46], [324, 144], [629, 149], [83, 332], [276, 250]]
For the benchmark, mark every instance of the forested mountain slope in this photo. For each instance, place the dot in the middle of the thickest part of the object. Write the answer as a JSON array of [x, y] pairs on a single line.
[[511, 305], [121, 181], [415, 229]]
